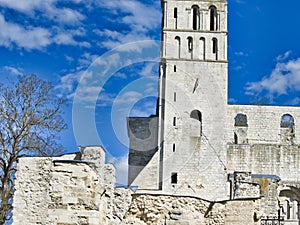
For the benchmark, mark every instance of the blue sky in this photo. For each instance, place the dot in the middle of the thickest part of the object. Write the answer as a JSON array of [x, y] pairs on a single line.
[[59, 41]]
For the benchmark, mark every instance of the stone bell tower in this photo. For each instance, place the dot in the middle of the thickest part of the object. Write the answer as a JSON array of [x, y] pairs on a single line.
[[193, 98], [182, 149]]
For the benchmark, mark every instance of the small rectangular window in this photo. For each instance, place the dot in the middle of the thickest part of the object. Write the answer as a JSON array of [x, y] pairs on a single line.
[[174, 147], [174, 178], [174, 121], [175, 12], [175, 69], [175, 97]]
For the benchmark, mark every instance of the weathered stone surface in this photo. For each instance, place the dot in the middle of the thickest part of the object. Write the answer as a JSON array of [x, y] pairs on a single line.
[[63, 190], [163, 209]]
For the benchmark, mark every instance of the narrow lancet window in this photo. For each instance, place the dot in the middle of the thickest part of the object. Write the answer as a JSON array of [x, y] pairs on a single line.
[[213, 18], [175, 17], [196, 17], [202, 48], [178, 46], [215, 47]]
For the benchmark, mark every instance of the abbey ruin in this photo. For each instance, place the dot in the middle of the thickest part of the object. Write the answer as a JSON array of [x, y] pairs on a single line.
[[198, 161]]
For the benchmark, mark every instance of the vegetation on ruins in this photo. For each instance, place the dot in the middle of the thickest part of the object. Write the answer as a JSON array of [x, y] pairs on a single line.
[[30, 121]]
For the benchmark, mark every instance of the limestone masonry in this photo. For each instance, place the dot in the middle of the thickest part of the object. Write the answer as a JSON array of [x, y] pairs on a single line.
[[197, 161]]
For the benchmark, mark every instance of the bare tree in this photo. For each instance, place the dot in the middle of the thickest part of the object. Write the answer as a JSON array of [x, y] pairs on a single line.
[[30, 121]]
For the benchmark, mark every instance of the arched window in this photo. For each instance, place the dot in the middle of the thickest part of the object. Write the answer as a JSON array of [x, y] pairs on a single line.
[[213, 18], [215, 47], [196, 114], [202, 48], [178, 45], [241, 120], [287, 129], [287, 121], [289, 205], [240, 130], [196, 126], [196, 17]]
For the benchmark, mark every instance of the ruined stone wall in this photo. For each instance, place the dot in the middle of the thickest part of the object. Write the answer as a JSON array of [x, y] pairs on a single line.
[[170, 210], [32, 191], [67, 190], [163, 209], [64, 191], [263, 123]]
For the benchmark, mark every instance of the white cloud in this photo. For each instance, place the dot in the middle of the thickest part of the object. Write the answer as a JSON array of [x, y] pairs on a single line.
[[48, 8], [65, 16], [128, 98], [12, 70], [87, 59], [24, 6], [144, 110], [69, 82], [284, 77], [150, 69], [139, 17], [28, 38], [64, 38], [284, 56], [35, 37], [115, 38]]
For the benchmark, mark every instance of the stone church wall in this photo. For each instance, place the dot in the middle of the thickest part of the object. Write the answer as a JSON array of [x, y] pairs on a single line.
[[263, 123], [280, 160]]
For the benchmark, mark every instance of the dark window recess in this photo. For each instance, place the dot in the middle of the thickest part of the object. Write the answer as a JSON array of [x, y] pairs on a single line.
[[196, 114], [174, 147], [175, 12], [235, 138], [215, 45], [175, 69], [175, 97], [174, 121], [287, 121], [241, 120], [195, 18], [213, 18], [174, 178]]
